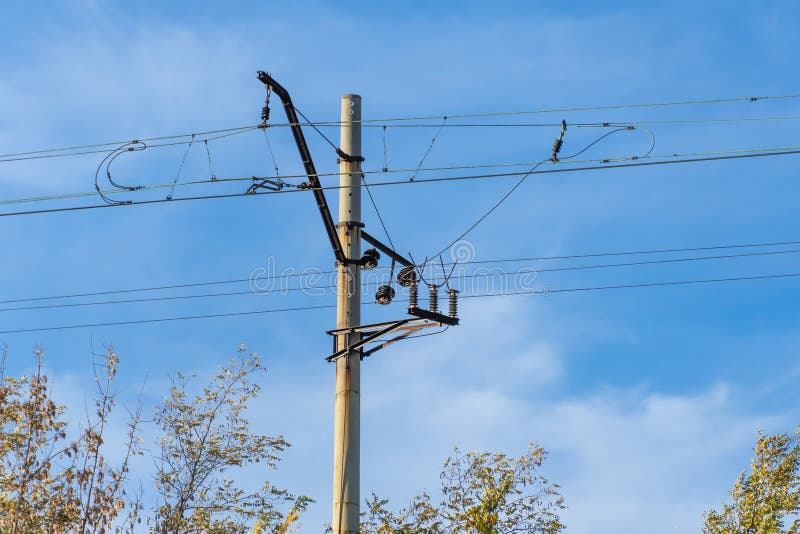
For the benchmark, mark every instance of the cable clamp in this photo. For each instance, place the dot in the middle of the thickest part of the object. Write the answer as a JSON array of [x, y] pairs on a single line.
[[266, 183], [344, 156], [350, 224]]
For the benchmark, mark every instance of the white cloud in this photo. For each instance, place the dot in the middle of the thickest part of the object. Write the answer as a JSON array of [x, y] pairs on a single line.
[[633, 461]]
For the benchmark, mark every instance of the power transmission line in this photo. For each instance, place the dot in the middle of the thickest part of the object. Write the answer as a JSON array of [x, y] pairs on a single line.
[[365, 122], [64, 152], [103, 148], [415, 181], [216, 180], [598, 124], [161, 288], [554, 158], [470, 262], [586, 108], [166, 319], [466, 276], [325, 306]]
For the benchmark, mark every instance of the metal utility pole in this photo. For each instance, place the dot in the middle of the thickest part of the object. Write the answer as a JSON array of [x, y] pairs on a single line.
[[347, 404]]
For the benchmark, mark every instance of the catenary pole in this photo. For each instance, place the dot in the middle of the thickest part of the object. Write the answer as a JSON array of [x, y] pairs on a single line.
[[347, 405]]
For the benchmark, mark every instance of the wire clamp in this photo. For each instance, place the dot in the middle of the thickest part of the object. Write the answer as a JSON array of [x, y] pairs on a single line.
[[344, 156], [266, 183]]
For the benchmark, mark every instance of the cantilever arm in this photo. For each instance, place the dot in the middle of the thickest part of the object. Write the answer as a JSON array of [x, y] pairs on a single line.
[[308, 163], [383, 248]]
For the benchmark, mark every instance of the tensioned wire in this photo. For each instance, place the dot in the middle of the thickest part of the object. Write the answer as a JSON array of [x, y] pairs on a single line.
[[84, 194], [431, 117], [502, 294], [410, 182], [81, 150], [465, 263], [78, 151]]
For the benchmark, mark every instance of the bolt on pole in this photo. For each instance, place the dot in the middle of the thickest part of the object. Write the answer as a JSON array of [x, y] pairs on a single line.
[[347, 404]]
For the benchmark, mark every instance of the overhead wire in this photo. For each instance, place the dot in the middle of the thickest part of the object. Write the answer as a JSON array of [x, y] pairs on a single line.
[[308, 287], [165, 287], [168, 319], [212, 174], [468, 262], [104, 148], [4, 157], [444, 179], [416, 172], [180, 167], [591, 108], [271, 153], [594, 124], [313, 125], [109, 147], [428, 149], [549, 291], [524, 177], [469, 296], [145, 188], [377, 211], [105, 163]]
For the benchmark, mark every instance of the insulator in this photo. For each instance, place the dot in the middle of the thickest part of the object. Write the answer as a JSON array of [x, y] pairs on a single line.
[[433, 292], [413, 295], [264, 115], [384, 295], [453, 302], [556, 149], [407, 276], [370, 259]]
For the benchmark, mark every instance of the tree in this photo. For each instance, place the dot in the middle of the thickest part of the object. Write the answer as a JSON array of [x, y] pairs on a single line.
[[481, 493], [48, 482], [206, 435], [766, 497], [52, 483]]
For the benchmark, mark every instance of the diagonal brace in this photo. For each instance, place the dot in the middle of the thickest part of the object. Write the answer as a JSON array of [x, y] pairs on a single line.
[[368, 339], [308, 163]]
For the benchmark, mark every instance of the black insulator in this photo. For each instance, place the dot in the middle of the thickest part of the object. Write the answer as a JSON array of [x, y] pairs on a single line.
[[453, 302], [384, 295], [407, 276], [264, 115], [556, 149], [370, 259], [413, 295], [433, 295]]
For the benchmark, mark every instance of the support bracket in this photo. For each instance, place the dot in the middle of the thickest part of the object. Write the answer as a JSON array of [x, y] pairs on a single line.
[[308, 163], [433, 316], [375, 334], [385, 249]]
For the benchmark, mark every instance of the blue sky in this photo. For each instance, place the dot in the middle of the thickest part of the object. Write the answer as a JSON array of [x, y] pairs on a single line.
[[647, 399]]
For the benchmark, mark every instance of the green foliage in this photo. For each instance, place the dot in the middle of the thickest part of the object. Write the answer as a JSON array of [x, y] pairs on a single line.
[[206, 435], [481, 493], [766, 497]]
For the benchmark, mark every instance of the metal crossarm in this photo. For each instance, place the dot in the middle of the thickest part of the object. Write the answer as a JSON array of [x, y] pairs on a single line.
[[368, 339], [433, 316], [383, 248], [374, 333]]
